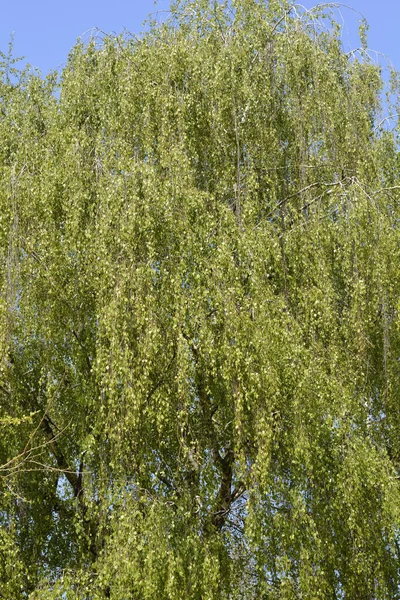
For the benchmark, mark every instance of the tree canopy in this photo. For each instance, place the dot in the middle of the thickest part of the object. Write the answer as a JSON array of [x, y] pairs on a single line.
[[199, 314]]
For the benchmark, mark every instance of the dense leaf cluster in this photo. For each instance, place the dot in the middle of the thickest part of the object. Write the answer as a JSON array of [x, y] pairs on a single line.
[[199, 316]]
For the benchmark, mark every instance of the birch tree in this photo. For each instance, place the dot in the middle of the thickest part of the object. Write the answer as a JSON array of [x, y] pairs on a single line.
[[199, 314]]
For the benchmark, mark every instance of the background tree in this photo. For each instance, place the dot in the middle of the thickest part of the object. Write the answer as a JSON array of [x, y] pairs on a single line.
[[199, 315]]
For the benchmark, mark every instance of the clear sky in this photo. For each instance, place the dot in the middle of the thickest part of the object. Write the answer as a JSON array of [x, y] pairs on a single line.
[[45, 30]]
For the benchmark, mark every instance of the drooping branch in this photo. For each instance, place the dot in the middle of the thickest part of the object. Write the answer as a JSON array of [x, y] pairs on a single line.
[[74, 479], [226, 495], [223, 499]]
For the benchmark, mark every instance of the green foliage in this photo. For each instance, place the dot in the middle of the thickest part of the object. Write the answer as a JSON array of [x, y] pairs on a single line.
[[199, 316]]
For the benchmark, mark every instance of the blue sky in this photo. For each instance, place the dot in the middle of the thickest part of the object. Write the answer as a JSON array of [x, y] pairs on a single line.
[[45, 30]]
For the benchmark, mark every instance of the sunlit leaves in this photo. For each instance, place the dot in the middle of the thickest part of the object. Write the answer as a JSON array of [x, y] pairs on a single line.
[[199, 328]]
